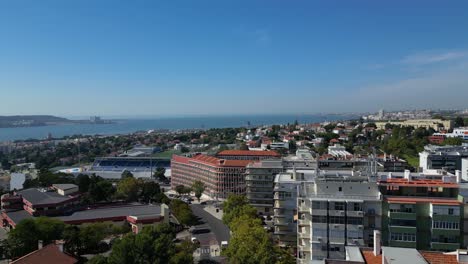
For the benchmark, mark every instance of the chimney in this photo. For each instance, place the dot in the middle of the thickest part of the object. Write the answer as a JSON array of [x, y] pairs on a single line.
[[60, 244], [407, 175], [377, 247], [40, 243]]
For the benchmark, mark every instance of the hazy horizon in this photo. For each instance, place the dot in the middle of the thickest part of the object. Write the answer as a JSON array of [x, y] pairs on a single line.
[[203, 58]]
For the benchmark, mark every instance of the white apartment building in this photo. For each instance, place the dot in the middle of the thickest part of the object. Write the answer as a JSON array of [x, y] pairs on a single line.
[[337, 209], [260, 177], [285, 205]]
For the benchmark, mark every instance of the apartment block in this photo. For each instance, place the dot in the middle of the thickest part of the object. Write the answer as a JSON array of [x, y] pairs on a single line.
[[448, 158], [285, 205], [335, 210], [422, 212]]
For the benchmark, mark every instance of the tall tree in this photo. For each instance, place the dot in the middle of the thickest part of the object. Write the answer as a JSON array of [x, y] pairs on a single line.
[[198, 188], [250, 243], [236, 206]]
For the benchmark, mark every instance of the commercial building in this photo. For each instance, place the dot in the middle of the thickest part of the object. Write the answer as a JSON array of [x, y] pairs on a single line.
[[436, 124], [443, 157], [337, 209], [422, 211], [248, 155], [220, 176]]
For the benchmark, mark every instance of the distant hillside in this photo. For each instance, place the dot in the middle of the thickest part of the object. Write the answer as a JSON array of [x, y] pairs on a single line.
[[31, 120]]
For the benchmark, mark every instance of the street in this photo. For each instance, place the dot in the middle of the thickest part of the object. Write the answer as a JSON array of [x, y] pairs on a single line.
[[220, 230]]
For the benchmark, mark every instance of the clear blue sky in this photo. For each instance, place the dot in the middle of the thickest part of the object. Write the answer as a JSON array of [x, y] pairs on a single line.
[[231, 57]]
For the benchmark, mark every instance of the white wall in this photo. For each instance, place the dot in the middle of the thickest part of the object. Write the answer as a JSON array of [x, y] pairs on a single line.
[[465, 169]]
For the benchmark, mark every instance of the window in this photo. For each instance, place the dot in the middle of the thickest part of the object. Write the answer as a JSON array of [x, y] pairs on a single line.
[[354, 221], [339, 206], [319, 219], [403, 237], [357, 207], [445, 225], [337, 220], [340, 189]]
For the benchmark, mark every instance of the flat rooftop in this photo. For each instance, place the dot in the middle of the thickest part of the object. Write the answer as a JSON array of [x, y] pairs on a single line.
[[39, 196], [96, 214], [395, 255]]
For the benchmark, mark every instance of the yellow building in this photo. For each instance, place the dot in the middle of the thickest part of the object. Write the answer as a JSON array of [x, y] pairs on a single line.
[[436, 124]]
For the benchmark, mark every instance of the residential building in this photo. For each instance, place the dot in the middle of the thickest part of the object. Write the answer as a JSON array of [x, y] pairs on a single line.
[[461, 132], [260, 177], [338, 151], [443, 157], [436, 124], [275, 145], [422, 212], [247, 155], [220, 176], [285, 205], [335, 210], [52, 253]]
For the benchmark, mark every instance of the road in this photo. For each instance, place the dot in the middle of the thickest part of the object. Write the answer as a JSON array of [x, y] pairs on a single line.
[[220, 230]]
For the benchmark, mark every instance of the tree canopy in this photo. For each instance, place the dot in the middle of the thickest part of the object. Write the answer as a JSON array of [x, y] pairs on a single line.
[[198, 188]]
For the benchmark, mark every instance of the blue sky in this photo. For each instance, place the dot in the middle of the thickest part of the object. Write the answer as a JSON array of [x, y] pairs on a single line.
[[113, 57]]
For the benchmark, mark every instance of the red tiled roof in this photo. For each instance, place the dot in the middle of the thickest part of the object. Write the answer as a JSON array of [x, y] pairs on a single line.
[[413, 200], [46, 255], [424, 182], [211, 161], [249, 153], [439, 257], [370, 258]]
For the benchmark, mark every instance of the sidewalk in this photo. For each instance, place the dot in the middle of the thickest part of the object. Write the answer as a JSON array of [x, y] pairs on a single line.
[[212, 210]]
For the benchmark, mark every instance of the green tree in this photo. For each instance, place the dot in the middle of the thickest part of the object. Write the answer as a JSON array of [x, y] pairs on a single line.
[[198, 188], [99, 259], [249, 243], [83, 181], [159, 174], [127, 174], [181, 189], [243, 146], [149, 191], [459, 122], [128, 188], [453, 141], [236, 206], [27, 233], [182, 212]]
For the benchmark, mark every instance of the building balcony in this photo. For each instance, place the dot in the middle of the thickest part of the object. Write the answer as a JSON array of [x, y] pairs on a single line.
[[336, 212], [280, 222], [337, 226], [402, 215], [355, 227], [448, 218], [337, 240], [356, 242], [403, 244], [304, 208], [304, 248], [437, 232], [355, 213], [303, 222], [402, 229], [304, 235], [319, 212], [445, 246]]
